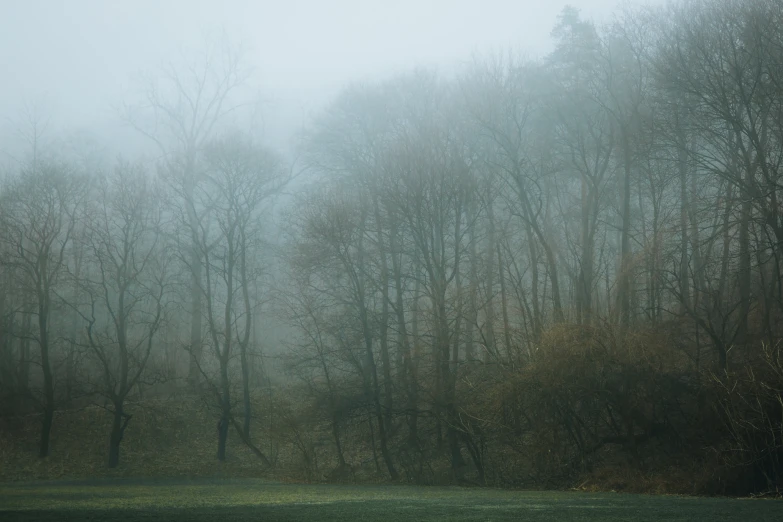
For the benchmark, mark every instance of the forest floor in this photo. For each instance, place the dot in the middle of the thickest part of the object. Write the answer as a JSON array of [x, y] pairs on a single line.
[[250, 499]]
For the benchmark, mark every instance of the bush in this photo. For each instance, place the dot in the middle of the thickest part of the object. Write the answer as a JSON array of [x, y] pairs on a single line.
[[749, 401]]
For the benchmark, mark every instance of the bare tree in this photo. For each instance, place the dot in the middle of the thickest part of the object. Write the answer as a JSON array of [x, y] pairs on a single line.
[[334, 230], [239, 179], [125, 288], [180, 113], [39, 214]]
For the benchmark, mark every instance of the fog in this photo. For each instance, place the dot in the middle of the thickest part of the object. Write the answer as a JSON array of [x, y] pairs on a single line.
[[509, 244], [78, 60]]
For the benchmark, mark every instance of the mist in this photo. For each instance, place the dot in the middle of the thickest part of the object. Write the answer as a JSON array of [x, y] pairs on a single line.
[[502, 244], [87, 57]]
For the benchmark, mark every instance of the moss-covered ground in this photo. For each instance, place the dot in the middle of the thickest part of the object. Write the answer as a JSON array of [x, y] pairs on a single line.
[[248, 499]]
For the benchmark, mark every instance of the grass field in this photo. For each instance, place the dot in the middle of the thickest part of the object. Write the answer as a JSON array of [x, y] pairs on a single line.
[[245, 500]]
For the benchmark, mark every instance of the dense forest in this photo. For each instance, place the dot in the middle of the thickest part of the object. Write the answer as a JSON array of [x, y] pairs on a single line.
[[554, 272]]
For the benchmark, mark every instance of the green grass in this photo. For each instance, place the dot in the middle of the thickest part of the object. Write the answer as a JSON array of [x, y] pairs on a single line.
[[245, 500]]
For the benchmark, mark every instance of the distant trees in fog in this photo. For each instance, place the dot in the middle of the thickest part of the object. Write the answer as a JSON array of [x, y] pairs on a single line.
[[535, 257]]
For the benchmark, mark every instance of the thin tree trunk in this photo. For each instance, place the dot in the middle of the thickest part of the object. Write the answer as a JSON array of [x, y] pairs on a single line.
[[196, 346], [225, 410], [372, 443], [119, 423], [245, 340], [383, 327], [682, 167], [246, 410], [624, 279], [585, 280], [726, 248], [491, 348], [504, 303], [533, 227], [534, 300], [743, 273], [376, 394], [384, 342], [409, 373], [337, 441], [470, 351], [447, 383], [413, 431], [24, 352], [457, 335], [43, 337]]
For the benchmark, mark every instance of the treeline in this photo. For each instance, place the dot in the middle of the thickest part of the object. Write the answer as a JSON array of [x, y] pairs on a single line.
[[530, 273], [539, 268], [131, 278]]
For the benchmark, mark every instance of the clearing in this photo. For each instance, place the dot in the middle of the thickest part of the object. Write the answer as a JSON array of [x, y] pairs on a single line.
[[247, 499]]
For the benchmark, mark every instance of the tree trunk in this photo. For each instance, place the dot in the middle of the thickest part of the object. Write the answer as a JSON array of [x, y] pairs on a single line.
[[491, 348], [46, 427], [414, 419], [119, 423], [244, 341], [408, 364], [337, 442], [70, 370], [196, 346], [246, 414], [376, 393], [457, 333], [382, 435], [726, 247], [534, 228], [585, 280], [682, 166], [531, 242], [743, 273], [194, 372], [504, 303], [225, 408], [384, 342], [24, 354], [372, 443], [624, 279], [383, 327], [472, 319]]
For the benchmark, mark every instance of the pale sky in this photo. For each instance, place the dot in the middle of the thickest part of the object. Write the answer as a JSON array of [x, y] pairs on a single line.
[[79, 57]]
